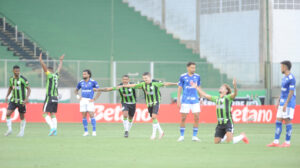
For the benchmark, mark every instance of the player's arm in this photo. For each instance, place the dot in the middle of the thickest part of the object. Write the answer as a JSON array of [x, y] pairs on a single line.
[[76, 91], [291, 93], [61, 58], [105, 89], [170, 84], [8, 93], [234, 94], [96, 97], [28, 94], [42, 63], [129, 86], [201, 92], [178, 96]]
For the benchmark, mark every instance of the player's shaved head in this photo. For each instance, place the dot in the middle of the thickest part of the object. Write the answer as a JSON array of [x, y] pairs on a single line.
[[125, 76], [147, 77], [16, 70], [125, 79]]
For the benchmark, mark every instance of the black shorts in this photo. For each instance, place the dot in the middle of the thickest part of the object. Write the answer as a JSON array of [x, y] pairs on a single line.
[[130, 108], [50, 104], [12, 106], [222, 129], [153, 109]]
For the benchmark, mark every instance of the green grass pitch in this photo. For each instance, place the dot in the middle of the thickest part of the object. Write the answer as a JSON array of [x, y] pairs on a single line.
[[109, 149]]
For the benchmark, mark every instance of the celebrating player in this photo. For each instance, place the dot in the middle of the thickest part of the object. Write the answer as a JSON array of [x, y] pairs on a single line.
[[51, 100], [190, 99], [224, 129], [87, 100], [18, 99], [285, 105], [128, 100], [153, 97]]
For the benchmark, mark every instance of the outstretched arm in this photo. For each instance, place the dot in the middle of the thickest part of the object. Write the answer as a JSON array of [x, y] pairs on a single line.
[[128, 86], [234, 94], [42, 63], [201, 92], [106, 89], [170, 84], [60, 63]]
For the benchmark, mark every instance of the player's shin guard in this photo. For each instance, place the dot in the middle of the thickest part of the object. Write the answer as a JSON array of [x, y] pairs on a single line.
[[182, 129], [8, 123], [48, 120], [85, 124], [278, 131], [93, 122], [195, 131], [125, 124], [54, 121], [288, 133]]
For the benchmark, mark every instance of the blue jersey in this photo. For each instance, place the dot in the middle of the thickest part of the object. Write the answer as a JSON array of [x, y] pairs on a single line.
[[288, 83], [87, 88], [189, 94]]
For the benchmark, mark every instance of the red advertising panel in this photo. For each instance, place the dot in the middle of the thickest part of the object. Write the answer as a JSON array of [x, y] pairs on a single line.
[[167, 113]]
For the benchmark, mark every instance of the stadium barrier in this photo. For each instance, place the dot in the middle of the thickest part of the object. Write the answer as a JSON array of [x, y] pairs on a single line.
[[168, 113]]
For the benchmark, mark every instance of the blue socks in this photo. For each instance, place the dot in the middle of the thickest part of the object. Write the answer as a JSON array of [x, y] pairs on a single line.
[[93, 121], [85, 124], [278, 130], [288, 132], [182, 129], [195, 131]]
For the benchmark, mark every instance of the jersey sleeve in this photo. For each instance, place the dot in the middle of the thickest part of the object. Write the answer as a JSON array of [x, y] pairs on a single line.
[[214, 99], [139, 85], [96, 84], [78, 87], [229, 97], [292, 84], [199, 81], [180, 82], [25, 81]]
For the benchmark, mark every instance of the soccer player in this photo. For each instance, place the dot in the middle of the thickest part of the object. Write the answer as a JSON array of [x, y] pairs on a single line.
[[285, 105], [18, 99], [128, 100], [87, 100], [153, 98], [51, 100], [224, 129], [190, 99]]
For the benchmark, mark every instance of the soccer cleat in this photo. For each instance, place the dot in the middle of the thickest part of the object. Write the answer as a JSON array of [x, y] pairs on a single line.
[[52, 131], [245, 139], [21, 134], [153, 136], [126, 134], [196, 139], [285, 145], [94, 133], [85, 134], [161, 134], [180, 139], [273, 145], [55, 133], [8, 132]]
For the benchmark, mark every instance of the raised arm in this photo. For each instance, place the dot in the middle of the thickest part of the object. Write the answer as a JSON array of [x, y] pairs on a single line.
[[42, 63], [234, 94], [201, 92], [60, 63]]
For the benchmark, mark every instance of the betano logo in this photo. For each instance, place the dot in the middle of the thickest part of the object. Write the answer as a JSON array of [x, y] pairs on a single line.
[[252, 115]]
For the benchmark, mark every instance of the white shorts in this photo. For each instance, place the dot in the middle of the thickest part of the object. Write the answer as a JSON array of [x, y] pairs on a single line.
[[186, 108], [86, 105], [289, 113]]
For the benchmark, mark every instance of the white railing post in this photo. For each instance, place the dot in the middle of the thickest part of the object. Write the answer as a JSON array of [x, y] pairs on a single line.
[[34, 49], [16, 32], [22, 39], [152, 69], [114, 80], [4, 24], [5, 72]]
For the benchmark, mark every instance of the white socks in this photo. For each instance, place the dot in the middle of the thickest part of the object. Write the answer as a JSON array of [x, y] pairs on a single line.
[[125, 124], [54, 122], [49, 121], [129, 125], [8, 122], [237, 139], [224, 139], [22, 126], [156, 127]]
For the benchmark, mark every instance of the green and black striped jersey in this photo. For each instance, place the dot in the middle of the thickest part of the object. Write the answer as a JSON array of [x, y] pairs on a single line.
[[127, 95], [18, 86], [52, 84], [151, 91], [223, 108]]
